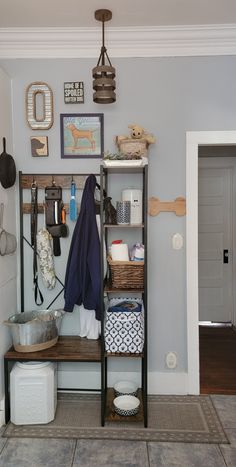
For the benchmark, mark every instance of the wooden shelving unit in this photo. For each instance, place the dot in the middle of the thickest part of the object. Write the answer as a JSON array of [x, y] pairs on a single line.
[[73, 348], [108, 412]]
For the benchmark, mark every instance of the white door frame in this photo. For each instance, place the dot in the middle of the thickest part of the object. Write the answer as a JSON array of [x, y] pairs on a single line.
[[193, 140]]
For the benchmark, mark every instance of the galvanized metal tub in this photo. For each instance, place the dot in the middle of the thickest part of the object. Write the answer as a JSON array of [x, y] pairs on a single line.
[[35, 330]]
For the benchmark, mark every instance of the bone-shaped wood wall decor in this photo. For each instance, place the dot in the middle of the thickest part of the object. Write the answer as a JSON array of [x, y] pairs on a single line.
[[155, 206]]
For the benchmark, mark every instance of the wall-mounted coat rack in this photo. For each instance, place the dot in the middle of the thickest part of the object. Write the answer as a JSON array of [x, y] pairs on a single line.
[[42, 181], [178, 206]]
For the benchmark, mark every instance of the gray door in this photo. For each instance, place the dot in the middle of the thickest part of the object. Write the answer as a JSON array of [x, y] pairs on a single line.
[[214, 240]]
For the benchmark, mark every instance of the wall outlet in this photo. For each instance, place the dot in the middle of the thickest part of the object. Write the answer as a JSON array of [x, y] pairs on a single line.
[[2, 404], [177, 241], [171, 360]]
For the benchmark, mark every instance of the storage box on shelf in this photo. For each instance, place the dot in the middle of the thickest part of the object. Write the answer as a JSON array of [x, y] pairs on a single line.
[[124, 331], [126, 274]]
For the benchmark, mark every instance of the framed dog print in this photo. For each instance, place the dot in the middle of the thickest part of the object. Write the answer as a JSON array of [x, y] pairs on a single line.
[[82, 135]]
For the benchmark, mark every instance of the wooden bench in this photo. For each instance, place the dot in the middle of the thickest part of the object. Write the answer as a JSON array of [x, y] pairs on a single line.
[[67, 349]]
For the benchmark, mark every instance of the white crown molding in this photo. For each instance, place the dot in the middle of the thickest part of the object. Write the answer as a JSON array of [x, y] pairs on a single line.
[[165, 41]]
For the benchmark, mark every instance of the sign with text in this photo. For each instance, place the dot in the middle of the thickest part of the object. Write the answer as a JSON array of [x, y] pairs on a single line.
[[74, 92]]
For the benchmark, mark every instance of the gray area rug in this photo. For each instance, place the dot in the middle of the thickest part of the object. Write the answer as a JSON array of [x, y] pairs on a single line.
[[190, 419]]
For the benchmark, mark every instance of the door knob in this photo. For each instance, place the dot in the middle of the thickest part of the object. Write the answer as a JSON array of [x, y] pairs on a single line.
[[225, 256]]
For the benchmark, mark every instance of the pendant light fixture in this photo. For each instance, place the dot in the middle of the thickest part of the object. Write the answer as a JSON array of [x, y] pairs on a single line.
[[104, 73]]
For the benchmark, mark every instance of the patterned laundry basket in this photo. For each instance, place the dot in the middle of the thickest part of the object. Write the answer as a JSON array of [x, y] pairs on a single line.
[[124, 331]]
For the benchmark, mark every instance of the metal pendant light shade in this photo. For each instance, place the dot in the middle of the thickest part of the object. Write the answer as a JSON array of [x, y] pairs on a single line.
[[104, 73]]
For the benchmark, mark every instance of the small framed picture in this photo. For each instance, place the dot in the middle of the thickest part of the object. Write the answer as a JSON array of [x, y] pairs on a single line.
[[39, 146], [74, 92], [81, 135]]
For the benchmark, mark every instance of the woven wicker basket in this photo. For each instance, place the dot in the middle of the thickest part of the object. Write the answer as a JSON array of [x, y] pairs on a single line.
[[133, 147], [126, 274]]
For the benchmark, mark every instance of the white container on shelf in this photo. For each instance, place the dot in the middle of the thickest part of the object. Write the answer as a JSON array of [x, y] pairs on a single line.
[[33, 392], [136, 208]]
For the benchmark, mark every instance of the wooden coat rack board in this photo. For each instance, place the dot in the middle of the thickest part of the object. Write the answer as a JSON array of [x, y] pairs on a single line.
[[178, 206], [43, 180]]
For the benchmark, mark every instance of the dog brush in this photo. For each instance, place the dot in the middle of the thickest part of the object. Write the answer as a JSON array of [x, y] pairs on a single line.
[[73, 207]]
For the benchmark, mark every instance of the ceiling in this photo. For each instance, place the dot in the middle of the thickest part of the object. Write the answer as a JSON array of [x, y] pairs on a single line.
[[74, 13]]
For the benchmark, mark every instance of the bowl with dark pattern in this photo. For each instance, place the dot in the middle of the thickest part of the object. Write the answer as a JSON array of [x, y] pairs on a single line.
[[129, 388], [126, 405]]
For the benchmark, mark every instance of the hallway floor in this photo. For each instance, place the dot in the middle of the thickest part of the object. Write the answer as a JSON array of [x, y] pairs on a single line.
[[217, 360], [25, 452]]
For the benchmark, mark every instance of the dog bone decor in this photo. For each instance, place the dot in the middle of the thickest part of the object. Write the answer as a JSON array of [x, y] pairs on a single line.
[[155, 206], [34, 121]]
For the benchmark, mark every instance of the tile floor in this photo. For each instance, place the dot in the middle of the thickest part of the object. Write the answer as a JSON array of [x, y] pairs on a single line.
[[104, 453]]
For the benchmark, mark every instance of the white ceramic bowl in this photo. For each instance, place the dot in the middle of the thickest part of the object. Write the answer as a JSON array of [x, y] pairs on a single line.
[[126, 405], [122, 388]]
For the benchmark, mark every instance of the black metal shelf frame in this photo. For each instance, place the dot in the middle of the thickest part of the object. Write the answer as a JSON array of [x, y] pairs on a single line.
[[104, 234], [104, 173]]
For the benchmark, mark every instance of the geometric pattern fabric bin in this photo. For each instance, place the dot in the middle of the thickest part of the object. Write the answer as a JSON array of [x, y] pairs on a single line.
[[124, 331]]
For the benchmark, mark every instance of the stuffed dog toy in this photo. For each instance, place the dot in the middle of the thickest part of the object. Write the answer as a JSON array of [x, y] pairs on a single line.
[[137, 132]]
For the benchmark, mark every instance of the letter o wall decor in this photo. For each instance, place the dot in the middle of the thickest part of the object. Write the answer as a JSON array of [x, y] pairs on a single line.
[[34, 90]]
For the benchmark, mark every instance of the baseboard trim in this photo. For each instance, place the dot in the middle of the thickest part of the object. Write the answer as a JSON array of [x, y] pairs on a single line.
[[158, 382], [2, 418]]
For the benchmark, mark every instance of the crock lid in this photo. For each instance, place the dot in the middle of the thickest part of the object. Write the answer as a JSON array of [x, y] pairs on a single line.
[[32, 365]]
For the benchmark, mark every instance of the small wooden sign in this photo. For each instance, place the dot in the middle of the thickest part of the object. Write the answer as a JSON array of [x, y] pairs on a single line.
[[74, 92], [39, 146]]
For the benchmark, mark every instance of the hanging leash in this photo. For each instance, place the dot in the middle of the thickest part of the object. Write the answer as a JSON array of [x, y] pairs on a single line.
[[34, 211], [38, 297], [73, 207]]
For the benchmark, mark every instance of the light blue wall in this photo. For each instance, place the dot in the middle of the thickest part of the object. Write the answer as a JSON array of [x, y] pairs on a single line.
[[168, 96], [8, 263]]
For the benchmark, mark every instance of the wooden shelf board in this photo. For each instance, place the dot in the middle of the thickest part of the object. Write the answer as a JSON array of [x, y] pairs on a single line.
[[112, 416], [109, 289], [26, 208], [112, 290], [124, 226], [124, 169], [67, 349], [44, 180], [124, 354]]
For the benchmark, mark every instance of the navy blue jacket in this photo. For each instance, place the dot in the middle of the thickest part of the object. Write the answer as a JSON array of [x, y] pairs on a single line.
[[83, 274]]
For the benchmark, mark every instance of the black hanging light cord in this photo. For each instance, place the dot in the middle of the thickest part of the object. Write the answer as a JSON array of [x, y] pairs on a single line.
[[104, 84]]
